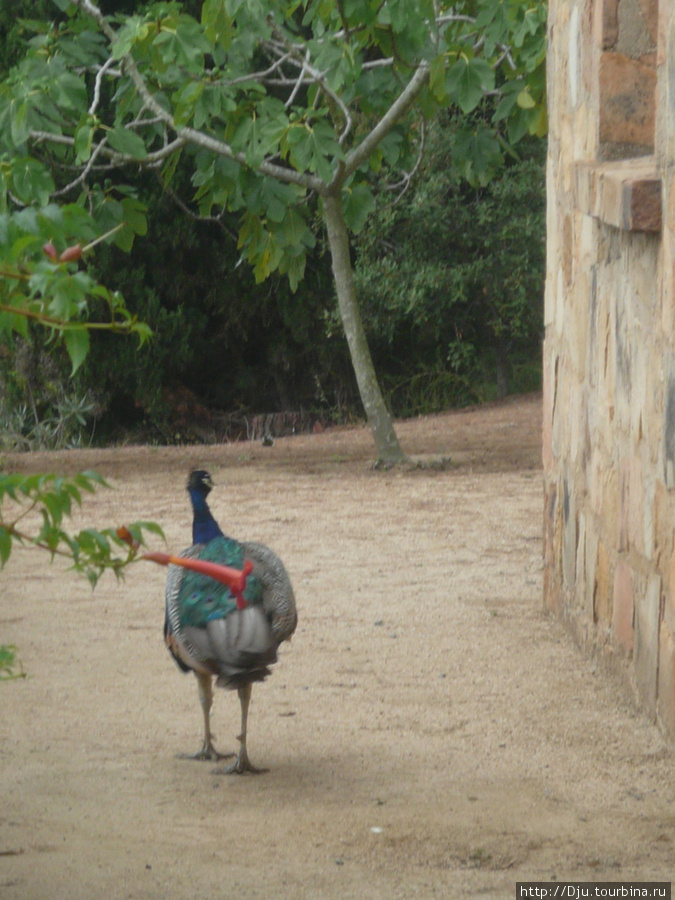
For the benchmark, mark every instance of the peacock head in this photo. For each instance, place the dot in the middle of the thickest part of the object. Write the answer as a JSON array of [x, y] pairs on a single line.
[[200, 481]]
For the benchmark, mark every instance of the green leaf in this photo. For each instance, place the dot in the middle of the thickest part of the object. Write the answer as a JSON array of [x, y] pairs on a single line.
[[186, 100], [437, 79], [509, 99], [184, 45], [477, 153], [11, 322], [127, 142], [19, 127], [5, 545], [70, 92], [134, 215], [133, 29], [77, 345], [31, 181], [467, 82], [525, 99], [358, 203], [217, 22], [83, 140]]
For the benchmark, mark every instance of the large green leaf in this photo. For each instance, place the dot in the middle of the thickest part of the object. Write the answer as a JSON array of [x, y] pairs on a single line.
[[127, 142], [31, 181], [5, 546], [77, 345], [467, 82], [358, 203]]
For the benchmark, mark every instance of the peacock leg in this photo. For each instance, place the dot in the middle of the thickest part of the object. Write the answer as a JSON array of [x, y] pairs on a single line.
[[207, 751], [242, 763]]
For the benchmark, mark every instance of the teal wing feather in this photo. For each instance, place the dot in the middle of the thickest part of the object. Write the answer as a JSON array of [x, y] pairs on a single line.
[[202, 599]]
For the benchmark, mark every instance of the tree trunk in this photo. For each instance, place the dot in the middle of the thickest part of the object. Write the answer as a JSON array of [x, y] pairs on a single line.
[[379, 418]]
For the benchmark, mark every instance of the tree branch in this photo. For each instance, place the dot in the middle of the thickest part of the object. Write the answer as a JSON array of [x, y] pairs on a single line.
[[97, 84], [318, 77], [405, 182], [396, 111], [191, 135]]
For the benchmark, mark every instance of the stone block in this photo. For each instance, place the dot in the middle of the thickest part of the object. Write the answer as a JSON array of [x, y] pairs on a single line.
[[578, 426], [606, 23], [624, 193], [650, 18], [669, 433], [648, 513], [669, 599], [580, 564], [622, 606], [662, 533], [602, 589], [550, 523], [549, 370], [636, 507], [627, 104], [611, 504], [647, 615], [666, 679], [624, 505], [577, 333], [590, 578], [569, 542]]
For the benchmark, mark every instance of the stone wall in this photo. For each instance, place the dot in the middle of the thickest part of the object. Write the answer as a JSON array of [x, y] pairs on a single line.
[[609, 351]]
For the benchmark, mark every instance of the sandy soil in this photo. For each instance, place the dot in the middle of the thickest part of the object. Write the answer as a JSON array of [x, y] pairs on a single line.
[[430, 731]]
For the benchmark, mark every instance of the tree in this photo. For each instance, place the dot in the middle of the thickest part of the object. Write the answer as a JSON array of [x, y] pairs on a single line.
[[277, 105]]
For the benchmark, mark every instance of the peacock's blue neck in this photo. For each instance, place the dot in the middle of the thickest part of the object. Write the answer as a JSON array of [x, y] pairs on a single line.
[[204, 526]]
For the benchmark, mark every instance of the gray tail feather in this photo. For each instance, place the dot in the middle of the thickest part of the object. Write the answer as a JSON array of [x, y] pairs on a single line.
[[242, 645]]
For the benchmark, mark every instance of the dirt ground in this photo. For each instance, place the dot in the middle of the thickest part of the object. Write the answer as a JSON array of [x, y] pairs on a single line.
[[430, 731]]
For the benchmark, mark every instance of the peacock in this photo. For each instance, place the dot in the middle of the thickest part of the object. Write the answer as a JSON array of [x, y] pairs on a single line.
[[217, 631]]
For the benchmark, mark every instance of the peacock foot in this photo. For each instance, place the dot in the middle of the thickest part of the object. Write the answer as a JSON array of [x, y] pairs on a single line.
[[207, 751], [241, 765]]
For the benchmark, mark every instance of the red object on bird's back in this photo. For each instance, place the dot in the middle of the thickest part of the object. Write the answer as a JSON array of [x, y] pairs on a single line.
[[235, 579]]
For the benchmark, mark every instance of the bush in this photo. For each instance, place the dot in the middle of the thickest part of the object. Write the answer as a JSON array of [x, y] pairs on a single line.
[[451, 281]]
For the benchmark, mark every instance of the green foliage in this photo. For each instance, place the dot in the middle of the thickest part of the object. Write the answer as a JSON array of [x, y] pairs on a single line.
[[451, 281], [238, 345], [23, 428], [52, 499], [9, 663], [42, 285], [274, 102], [252, 112]]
